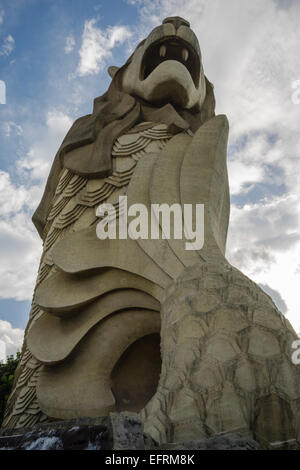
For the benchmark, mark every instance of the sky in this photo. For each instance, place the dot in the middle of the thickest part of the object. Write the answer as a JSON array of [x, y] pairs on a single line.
[[54, 56]]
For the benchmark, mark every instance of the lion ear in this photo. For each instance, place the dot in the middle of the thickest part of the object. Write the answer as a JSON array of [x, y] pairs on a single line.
[[112, 70]]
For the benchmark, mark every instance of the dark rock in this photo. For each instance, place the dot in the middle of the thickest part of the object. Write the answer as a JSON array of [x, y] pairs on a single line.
[[62, 436]]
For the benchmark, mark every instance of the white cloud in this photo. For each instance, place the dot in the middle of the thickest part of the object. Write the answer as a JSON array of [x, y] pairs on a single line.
[[70, 44], [12, 198], [46, 140], [11, 339], [20, 250], [11, 127], [241, 175], [264, 242], [259, 232], [97, 45], [2, 351], [7, 46], [58, 123], [20, 245]]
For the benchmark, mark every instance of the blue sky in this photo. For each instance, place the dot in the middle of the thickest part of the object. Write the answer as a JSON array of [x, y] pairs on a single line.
[[54, 56]]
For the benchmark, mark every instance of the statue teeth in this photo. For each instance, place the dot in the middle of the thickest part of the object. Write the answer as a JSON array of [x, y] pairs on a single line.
[[162, 50], [185, 54]]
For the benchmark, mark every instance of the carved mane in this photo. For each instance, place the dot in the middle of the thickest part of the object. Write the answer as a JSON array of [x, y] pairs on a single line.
[[113, 114]]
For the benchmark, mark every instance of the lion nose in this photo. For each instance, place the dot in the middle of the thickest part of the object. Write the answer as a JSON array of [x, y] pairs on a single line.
[[176, 21]]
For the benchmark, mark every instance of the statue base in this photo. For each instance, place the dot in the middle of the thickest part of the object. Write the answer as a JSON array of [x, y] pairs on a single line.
[[117, 431]]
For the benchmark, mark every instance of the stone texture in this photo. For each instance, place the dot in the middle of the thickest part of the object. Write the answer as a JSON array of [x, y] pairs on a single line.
[[81, 386], [120, 432], [224, 360], [126, 430], [233, 374], [52, 339], [73, 293]]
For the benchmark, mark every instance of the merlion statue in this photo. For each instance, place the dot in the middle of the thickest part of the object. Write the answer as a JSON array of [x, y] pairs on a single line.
[[179, 336]]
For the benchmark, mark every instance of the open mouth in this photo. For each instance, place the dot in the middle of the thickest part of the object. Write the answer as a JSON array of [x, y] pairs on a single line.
[[171, 48]]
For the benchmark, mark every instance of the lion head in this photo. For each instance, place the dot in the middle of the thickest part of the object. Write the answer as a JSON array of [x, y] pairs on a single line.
[[162, 81], [167, 67]]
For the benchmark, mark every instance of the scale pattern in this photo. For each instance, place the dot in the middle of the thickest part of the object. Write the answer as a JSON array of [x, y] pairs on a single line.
[[73, 208]]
